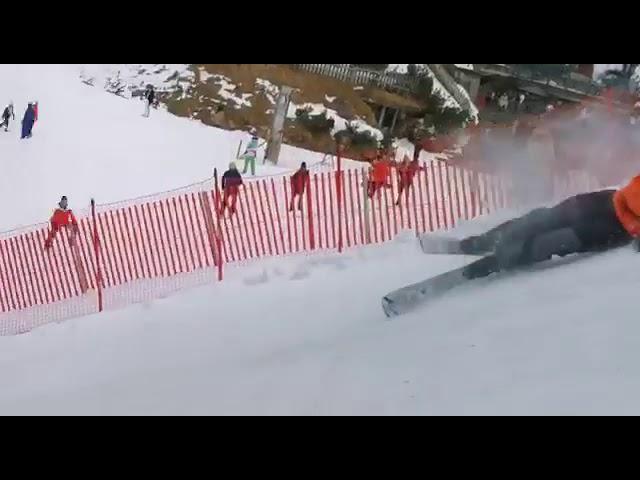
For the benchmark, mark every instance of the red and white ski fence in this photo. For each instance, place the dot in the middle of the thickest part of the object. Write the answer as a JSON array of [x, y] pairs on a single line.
[[147, 248]]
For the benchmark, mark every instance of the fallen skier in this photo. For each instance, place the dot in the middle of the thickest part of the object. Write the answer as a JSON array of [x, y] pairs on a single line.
[[591, 222]]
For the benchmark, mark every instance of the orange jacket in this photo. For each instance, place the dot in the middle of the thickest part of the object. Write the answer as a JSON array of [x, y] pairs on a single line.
[[381, 171], [627, 205], [60, 219], [63, 218]]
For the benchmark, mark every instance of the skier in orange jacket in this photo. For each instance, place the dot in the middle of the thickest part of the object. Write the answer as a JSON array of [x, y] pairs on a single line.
[[627, 205], [590, 222], [379, 175], [407, 171], [62, 217]]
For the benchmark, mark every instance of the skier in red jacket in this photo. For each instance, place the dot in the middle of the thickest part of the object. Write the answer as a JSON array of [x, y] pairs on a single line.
[[62, 217], [406, 173], [299, 182]]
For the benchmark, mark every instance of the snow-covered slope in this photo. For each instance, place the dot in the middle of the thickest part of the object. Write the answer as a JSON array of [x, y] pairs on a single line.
[[88, 143], [307, 336]]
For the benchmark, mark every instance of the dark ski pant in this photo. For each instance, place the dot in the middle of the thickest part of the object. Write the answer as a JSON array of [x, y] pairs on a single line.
[[26, 129], [584, 223], [5, 124]]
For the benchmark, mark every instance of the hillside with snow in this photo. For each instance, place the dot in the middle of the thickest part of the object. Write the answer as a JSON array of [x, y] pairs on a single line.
[[303, 334], [90, 144]]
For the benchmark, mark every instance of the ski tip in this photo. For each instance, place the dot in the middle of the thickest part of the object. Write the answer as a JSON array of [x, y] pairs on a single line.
[[388, 307]]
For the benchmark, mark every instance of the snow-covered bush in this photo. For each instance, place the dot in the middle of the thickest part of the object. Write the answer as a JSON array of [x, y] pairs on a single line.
[[316, 124]]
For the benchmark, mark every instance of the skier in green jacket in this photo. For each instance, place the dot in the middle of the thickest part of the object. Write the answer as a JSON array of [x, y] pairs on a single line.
[[251, 153]]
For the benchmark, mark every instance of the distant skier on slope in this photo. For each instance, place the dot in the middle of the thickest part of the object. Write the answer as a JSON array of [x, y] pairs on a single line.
[[8, 113], [591, 222], [62, 217], [149, 97], [231, 183], [378, 176], [251, 153], [27, 121], [407, 171], [299, 182]]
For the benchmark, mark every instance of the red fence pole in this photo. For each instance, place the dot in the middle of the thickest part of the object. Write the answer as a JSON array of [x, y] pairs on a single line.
[[261, 201], [324, 211], [167, 232], [457, 192], [358, 191], [331, 210], [339, 195], [415, 207], [40, 277], [126, 243], [277, 209], [157, 266], [84, 244], [258, 223], [353, 210], [22, 252], [450, 195], [422, 215], [346, 210], [318, 210], [312, 239], [384, 196], [96, 249], [186, 231], [248, 223], [265, 192], [216, 206], [47, 261], [7, 281], [444, 203], [432, 192], [286, 209], [395, 185], [464, 194]]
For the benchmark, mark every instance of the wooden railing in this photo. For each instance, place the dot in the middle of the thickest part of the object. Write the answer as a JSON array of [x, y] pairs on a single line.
[[584, 87], [359, 76]]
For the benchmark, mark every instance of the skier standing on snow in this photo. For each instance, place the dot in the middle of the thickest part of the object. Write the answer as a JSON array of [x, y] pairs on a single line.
[[62, 217], [231, 183], [591, 222], [299, 182], [378, 176], [27, 121], [406, 173], [251, 153], [6, 115], [149, 98]]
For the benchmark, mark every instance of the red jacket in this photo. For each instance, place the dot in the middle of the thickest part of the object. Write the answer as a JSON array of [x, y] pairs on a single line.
[[63, 218], [380, 172], [60, 219], [408, 172], [299, 182]]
